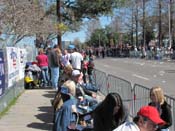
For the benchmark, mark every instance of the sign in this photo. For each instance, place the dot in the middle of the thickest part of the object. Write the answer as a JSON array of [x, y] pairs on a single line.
[[22, 61], [2, 73], [12, 65]]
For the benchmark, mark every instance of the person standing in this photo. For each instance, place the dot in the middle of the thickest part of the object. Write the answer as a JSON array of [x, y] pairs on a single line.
[[54, 59], [65, 58], [43, 63], [85, 67], [76, 60], [158, 101]]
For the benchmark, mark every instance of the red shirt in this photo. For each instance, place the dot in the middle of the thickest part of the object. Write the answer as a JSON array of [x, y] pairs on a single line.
[[42, 60]]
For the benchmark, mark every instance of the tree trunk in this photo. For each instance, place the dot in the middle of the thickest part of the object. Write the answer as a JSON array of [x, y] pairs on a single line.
[[143, 37], [136, 19], [160, 25]]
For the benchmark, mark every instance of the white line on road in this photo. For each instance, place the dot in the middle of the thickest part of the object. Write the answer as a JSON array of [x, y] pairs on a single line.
[[141, 77], [139, 63], [163, 81], [106, 66]]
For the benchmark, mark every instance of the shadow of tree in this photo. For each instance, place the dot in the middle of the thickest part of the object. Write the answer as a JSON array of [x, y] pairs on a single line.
[[46, 115], [49, 95], [46, 119], [41, 126]]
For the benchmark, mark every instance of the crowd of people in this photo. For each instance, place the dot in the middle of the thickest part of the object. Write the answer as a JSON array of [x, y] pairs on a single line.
[[76, 108]]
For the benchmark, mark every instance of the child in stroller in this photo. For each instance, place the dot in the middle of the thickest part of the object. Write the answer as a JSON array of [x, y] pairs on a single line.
[[32, 75]]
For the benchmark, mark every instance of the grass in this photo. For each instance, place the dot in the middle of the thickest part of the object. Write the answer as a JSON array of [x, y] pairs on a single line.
[[13, 102]]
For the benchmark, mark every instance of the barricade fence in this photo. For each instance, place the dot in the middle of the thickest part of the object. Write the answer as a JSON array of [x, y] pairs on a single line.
[[141, 97], [133, 97], [171, 101], [122, 87], [100, 81]]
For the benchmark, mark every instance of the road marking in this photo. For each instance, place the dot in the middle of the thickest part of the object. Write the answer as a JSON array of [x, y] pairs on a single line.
[[161, 73], [139, 63], [114, 59], [106, 66], [163, 81], [141, 77]]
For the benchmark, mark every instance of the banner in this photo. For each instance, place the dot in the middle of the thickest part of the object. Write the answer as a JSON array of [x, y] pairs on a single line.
[[22, 61], [2, 73], [13, 65]]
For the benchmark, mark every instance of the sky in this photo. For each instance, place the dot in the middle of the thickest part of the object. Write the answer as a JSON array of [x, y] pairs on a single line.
[[81, 34]]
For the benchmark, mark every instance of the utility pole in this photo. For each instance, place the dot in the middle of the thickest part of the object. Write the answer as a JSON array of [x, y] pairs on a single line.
[[59, 22]]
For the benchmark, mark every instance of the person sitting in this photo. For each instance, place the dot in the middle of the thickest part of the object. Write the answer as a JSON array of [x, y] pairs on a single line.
[[158, 101], [147, 119], [66, 114], [110, 113], [81, 93]]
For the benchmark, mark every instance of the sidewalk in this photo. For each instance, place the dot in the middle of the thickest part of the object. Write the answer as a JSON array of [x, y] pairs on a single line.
[[32, 112]]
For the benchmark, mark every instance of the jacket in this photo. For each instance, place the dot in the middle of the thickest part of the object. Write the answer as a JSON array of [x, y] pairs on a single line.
[[165, 114]]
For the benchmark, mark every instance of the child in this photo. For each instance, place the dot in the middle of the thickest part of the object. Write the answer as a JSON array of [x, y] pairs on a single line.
[[90, 69]]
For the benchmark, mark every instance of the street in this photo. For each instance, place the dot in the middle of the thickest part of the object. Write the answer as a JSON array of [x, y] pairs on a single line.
[[148, 73]]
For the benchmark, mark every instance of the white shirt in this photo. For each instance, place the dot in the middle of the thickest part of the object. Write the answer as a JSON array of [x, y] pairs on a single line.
[[76, 59], [127, 126], [65, 59]]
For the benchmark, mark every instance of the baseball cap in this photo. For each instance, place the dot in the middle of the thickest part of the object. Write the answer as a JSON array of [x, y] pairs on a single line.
[[75, 73], [151, 113]]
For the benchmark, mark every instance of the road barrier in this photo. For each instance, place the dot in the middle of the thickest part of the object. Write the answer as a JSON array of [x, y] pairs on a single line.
[[133, 97], [123, 87], [100, 81]]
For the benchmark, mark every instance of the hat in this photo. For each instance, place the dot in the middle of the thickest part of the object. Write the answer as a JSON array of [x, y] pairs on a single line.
[[75, 73], [151, 113]]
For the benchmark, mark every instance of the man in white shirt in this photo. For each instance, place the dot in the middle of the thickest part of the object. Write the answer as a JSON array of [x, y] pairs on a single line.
[[147, 119], [76, 59]]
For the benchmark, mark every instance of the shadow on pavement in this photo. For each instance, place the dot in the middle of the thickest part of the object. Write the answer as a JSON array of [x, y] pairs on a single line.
[[50, 94], [46, 119], [45, 115], [41, 126]]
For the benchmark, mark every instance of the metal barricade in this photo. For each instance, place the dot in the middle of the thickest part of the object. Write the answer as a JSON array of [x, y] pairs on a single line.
[[133, 98], [171, 101], [100, 81], [124, 88], [142, 97]]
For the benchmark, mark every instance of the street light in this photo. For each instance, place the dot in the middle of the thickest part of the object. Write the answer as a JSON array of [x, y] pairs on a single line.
[[170, 2], [170, 23]]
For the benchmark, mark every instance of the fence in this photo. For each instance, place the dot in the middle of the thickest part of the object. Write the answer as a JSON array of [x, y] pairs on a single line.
[[123, 87], [12, 74], [100, 81], [133, 97]]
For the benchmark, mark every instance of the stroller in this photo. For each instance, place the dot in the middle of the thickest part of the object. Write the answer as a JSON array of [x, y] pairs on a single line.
[[32, 76]]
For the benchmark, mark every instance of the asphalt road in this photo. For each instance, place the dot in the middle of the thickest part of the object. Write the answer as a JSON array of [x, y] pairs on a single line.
[[148, 73]]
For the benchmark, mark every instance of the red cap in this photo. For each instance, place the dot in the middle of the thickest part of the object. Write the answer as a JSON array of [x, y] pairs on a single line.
[[151, 113]]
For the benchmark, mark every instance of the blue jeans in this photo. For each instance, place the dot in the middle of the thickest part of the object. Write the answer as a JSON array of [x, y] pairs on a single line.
[[45, 75], [54, 76]]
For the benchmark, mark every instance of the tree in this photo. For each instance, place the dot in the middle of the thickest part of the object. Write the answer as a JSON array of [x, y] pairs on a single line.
[[20, 18], [91, 26]]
